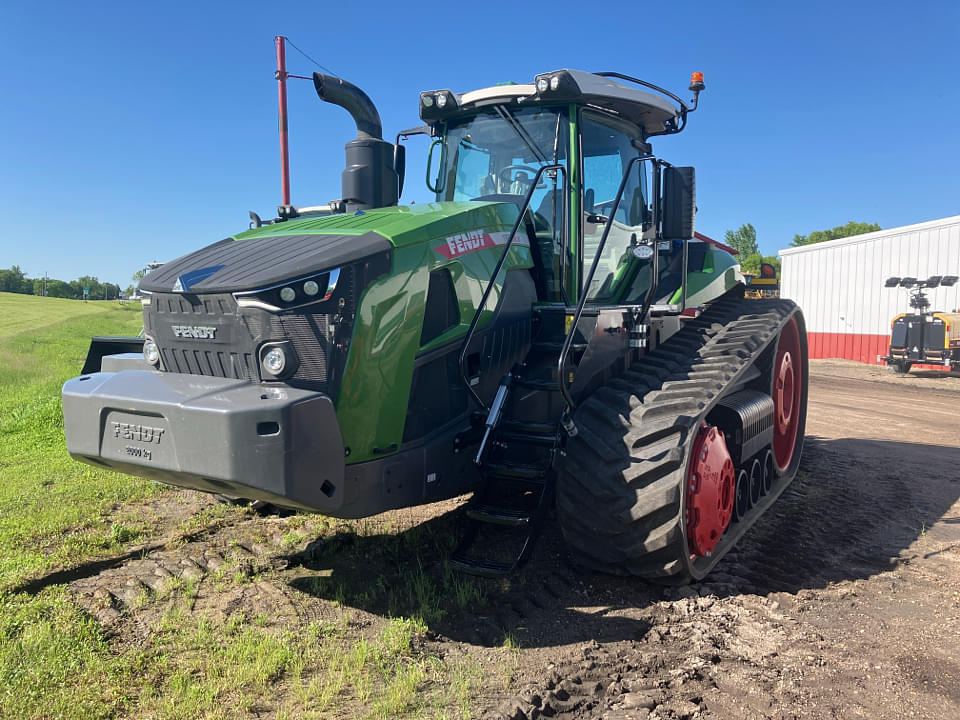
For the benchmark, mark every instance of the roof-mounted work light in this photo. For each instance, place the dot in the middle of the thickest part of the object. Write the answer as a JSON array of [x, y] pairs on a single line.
[[558, 85], [436, 104]]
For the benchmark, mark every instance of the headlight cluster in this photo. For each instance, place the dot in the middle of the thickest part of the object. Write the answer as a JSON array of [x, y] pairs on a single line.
[[314, 288], [436, 103], [556, 85], [544, 84]]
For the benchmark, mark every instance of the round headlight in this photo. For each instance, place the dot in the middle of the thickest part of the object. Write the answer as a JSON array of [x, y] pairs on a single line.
[[274, 361], [287, 294], [542, 85], [311, 288], [151, 353], [441, 100], [427, 101], [554, 82]]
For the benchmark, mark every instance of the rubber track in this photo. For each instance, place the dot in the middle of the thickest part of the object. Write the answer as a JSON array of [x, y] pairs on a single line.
[[621, 480]]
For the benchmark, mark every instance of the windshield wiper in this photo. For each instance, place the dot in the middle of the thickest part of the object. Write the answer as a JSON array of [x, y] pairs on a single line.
[[521, 133]]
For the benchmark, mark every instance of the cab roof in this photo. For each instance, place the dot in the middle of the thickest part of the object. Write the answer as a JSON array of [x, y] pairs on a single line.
[[653, 112]]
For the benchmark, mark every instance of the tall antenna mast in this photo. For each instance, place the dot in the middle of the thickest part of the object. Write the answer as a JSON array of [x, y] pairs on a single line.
[[281, 75]]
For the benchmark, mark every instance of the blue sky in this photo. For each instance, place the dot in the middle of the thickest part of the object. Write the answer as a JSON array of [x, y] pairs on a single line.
[[138, 131]]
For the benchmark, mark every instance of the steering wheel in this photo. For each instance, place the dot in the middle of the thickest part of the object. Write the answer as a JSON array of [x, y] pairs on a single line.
[[504, 173]]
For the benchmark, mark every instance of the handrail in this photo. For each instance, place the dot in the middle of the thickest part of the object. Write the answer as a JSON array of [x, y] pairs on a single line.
[[496, 271], [568, 340]]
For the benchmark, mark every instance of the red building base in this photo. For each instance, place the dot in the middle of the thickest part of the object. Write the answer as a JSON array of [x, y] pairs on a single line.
[[850, 346]]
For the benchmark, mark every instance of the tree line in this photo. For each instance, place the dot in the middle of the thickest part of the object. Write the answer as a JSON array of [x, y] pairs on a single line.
[[15, 280], [744, 241]]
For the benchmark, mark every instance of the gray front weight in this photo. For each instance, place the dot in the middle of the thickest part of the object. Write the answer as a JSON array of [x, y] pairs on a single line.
[[263, 442]]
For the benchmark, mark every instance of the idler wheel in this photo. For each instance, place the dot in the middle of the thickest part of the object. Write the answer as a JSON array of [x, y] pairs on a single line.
[[786, 391], [711, 483]]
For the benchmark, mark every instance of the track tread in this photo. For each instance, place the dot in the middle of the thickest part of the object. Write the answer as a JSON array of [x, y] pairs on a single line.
[[620, 483]]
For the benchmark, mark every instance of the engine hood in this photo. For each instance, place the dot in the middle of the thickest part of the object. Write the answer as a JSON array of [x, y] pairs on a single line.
[[274, 253], [259, 262]]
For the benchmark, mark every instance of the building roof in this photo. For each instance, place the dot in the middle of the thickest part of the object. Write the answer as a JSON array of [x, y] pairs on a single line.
[[872, 236]]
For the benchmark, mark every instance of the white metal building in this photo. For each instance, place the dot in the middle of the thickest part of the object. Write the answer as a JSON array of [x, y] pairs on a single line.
[[839, 284]]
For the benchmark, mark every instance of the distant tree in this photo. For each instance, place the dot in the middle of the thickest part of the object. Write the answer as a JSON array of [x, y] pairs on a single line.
[[13, 280], [743, 240], [840, 231], [751, 263], [129, 291], [60, 289], [94, 288], [138, 275]]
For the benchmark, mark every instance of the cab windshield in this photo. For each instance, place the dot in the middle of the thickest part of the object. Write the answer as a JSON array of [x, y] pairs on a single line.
[[495, 154]]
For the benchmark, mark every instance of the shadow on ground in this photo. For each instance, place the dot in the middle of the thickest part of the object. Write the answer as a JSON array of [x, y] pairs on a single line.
[[405, 573], [854, 510]]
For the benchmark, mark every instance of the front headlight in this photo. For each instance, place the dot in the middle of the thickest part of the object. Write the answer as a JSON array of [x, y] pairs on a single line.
[[274, 361], [151, 353], [278, 360], [318, 287]]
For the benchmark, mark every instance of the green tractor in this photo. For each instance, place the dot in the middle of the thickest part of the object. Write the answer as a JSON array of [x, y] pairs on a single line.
[[547, 333]]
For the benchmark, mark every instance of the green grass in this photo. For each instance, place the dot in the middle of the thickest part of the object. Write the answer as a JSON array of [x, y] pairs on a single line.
[[52, 508], [55, 513]]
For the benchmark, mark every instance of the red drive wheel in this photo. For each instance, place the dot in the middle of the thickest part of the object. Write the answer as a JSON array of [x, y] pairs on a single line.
[[787, 388], [710, 490]]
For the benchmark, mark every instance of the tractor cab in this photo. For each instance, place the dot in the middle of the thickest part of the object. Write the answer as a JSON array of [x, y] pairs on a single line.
[[571, 150]]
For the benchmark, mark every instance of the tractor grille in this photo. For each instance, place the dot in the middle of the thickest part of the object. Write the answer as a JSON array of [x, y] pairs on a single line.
[[209, 335], [241, 366]]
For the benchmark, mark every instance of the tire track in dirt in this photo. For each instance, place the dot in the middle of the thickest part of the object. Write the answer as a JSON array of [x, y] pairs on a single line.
[[836, 603]]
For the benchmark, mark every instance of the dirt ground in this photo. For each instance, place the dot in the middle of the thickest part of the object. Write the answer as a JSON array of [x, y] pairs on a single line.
[[843, 601]]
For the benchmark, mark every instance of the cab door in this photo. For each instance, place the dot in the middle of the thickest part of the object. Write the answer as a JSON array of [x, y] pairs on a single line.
[[607, 145]]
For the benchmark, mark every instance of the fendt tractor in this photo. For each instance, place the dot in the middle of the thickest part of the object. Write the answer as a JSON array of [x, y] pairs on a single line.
[[923, 336], [547, 333]]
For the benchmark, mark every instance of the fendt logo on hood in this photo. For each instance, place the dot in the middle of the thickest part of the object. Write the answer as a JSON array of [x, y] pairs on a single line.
[[195, 331], [471, 241]]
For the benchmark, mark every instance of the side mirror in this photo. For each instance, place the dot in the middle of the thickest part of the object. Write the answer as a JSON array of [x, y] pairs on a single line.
[[400, 165], [679, 202]]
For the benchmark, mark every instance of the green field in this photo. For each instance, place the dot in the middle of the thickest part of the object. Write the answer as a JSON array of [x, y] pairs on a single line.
[[51, 508], [58, 517]]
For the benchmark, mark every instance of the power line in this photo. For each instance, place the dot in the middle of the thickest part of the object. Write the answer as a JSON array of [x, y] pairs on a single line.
[[322, 67]]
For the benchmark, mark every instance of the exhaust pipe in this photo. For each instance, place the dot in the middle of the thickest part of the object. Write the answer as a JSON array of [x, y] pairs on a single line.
[[355, 101], [369, 178]]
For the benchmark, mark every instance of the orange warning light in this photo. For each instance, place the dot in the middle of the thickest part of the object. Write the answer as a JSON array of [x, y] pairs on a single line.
[[696, 77]]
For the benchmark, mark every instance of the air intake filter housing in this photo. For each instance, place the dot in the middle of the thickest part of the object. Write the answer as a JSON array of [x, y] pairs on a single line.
[[369, 179]]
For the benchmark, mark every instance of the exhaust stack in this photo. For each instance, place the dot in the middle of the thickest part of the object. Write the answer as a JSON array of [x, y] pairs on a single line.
[[369, 179]]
